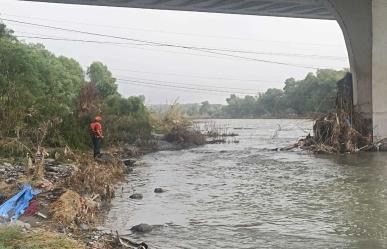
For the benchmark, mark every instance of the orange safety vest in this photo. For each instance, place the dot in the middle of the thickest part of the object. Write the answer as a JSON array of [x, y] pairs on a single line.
[[96, 128]]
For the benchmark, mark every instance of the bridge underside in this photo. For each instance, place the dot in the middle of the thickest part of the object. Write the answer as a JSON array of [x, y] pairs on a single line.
[[314, 9]]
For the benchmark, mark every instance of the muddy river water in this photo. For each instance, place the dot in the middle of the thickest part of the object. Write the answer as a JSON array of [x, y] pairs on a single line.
[[246, 196]]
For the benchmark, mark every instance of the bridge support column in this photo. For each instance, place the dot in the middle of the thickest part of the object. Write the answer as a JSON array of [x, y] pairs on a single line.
[[379, 67], [355, 20], [364, 25]]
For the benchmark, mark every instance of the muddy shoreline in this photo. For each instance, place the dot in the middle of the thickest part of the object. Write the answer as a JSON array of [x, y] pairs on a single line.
[[77, 178]]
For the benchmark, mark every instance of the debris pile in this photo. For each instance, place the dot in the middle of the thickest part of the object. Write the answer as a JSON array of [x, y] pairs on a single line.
[[343, 131], [185, 136], [110, 241], [58, 172], [70, 200], [9, 173]]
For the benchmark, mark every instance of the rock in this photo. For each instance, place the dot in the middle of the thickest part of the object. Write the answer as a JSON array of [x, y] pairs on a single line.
[[27, 226], [9, 172], [159, 190], [52, 168], [60, 171], [132, 151], [136, 196], [10, 180], [141, 228], [129, 162], [5, 164], [139, 163], [101, 228], [21, 224], [84, 227], [49, 161], [128, 170], [106, 158]]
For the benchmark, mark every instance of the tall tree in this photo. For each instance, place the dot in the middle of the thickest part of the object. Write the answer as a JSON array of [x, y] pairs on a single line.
[[100, 75]]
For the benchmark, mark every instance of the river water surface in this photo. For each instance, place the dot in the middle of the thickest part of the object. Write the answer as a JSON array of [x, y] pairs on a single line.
[[246, 196]]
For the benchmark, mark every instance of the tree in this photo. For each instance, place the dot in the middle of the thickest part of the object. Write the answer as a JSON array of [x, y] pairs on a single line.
[[313, 94], [205, 107], [6, 33], [45, 101], [102, 78]]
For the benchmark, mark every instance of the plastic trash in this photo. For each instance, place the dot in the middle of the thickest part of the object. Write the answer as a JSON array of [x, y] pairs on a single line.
[[13, 208], [31, 209]]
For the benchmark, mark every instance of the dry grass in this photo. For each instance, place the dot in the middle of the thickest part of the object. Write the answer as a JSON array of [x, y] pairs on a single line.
[[164, 122], [15, 238], [96, 178], [11, 147], [7, 190], [90, 179], [185, 136], [66, 208]]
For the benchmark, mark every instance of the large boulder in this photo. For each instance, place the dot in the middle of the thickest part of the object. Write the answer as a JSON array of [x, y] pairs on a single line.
[[159, 190], [141, 228], [136, 196]]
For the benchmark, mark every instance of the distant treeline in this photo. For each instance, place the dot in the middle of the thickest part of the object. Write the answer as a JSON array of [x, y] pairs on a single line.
[[299, 98]]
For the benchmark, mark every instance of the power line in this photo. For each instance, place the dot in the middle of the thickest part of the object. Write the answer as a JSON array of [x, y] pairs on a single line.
[[190, 84], [280, 54], [172, 88], [135, 44], [189, 75], [78, 40], [174, 33], [162, 44], [311, 56], [182, 87], [139, 48]]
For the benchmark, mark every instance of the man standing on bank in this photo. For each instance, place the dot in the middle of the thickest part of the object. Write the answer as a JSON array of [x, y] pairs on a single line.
[[96, 135]]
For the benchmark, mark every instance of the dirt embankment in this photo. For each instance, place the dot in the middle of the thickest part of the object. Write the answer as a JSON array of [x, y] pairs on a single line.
[[75, 196]]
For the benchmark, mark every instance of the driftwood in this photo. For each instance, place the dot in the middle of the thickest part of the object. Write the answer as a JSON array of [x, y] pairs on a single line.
[[373, 146], [128, 244]]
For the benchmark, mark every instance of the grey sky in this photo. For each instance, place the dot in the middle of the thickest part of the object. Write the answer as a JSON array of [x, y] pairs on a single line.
[[180, 66]]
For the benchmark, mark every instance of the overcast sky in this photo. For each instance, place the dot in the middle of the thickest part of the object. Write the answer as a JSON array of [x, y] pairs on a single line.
[[164, 74]]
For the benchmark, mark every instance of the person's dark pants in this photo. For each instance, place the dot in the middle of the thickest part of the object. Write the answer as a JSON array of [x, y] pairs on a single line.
[[96, 145]]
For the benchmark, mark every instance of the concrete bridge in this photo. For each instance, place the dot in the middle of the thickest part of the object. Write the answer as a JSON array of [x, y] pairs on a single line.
[[363, 22]]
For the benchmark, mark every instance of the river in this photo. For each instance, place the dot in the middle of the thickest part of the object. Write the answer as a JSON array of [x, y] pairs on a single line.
[[242, 195]]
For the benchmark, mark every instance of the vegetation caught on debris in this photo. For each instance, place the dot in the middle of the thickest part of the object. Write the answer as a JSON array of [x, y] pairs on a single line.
[[177, 127], [341, 131]]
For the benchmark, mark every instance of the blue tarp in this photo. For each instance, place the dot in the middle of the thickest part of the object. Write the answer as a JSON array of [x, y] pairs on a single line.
[[14, 207]]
